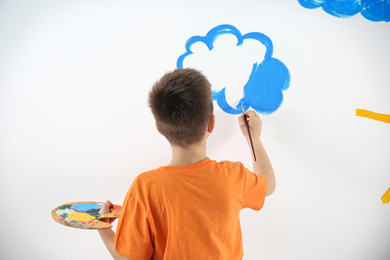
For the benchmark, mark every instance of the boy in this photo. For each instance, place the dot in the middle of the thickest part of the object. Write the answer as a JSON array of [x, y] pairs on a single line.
[[190, 208]]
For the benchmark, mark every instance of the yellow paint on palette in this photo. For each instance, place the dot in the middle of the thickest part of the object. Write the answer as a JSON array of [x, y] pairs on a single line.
[[81, 216], [376, 116], [386, 197]]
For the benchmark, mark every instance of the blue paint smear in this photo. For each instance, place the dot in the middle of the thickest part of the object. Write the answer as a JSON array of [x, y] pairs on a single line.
[[373, 10], [86, 206], [267, 80]]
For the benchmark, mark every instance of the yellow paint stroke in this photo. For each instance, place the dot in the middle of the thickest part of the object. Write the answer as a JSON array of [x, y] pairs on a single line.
[[386, 197], [376, 116], [81, 216]]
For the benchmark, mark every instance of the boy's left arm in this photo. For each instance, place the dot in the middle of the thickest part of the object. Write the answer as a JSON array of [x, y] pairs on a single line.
[[108, 234]]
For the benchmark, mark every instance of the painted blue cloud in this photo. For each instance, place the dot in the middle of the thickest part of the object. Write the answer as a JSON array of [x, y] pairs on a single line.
[[373, 10], [267, 80]]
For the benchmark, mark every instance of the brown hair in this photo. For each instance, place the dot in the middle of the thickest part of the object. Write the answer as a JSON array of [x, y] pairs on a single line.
[[181, 103]]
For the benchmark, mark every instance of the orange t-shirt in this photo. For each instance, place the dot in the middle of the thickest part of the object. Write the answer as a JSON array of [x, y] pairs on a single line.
[[188, 212]]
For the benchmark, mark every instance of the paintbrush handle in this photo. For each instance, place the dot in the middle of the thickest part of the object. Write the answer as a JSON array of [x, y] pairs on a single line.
[[250, 136]]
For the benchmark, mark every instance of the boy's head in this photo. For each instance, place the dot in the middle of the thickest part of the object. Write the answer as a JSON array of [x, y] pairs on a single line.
[[181, 102]]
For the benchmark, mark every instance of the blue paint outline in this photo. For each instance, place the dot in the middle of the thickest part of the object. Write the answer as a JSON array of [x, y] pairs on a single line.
[[372, 10], [263, 91]]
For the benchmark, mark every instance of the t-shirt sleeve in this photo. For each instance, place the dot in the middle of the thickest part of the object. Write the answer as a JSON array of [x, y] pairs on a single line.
[[255, 188], [134, 238]]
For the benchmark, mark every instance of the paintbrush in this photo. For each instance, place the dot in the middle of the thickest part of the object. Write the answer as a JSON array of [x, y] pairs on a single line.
[[249, 132]]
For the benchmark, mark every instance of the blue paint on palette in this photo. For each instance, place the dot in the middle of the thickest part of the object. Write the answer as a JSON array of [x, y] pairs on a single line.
[[86, 206], [267, 80], [373, 10]]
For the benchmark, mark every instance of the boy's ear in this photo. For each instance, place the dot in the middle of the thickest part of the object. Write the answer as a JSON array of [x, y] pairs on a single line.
[[210, 126], [158, 129]]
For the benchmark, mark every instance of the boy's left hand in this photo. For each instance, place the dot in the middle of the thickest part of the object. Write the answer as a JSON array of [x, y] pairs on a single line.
[[105, 209]]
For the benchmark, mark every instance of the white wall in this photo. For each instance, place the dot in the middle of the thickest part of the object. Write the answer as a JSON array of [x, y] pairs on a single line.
[[74, 122]]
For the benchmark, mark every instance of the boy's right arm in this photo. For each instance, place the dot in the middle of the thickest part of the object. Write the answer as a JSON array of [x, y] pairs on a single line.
[[263, 164]]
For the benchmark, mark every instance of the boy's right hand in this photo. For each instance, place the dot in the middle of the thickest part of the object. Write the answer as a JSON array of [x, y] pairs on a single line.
[[254, 122]]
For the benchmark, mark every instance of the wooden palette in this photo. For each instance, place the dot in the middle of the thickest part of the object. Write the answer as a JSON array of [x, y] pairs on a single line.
[[84, 215]]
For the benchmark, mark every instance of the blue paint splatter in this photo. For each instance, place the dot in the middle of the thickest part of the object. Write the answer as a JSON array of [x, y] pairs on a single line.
[[267, 80], [373, 10], [86, 206]]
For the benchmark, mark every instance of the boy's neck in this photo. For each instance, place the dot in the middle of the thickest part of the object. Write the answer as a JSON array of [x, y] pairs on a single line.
[[182, 156]]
